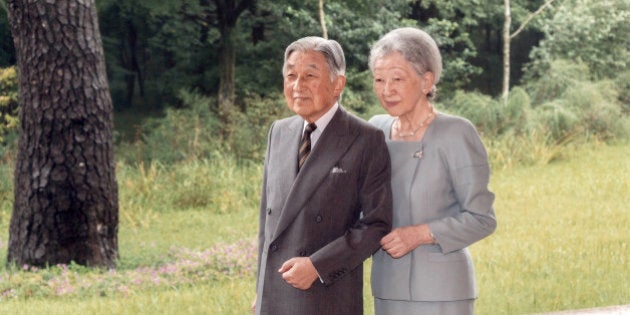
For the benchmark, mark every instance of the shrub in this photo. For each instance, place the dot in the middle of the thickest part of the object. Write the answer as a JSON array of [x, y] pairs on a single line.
[[551, 83], [596, 106], [358, 96], [194, 132], [554, 119], [8, 110], [247, 139], [480, 109], [492, 117], [188, 133], [515, 114], [567, 102], [622, 84]]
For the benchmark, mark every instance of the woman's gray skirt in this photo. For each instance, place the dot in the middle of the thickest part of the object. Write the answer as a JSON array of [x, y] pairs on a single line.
[[395, 307]]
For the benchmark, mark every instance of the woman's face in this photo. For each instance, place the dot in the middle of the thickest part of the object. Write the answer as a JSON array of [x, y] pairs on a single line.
[[397, 84]]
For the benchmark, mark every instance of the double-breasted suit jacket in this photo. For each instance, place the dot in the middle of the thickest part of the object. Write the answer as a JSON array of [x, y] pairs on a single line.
[[335, 211]]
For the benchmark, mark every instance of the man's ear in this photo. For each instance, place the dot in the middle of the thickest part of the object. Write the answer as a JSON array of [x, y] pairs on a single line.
[[340, 83]]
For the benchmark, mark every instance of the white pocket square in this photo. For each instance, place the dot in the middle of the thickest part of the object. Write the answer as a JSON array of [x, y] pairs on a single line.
[[337, 170]]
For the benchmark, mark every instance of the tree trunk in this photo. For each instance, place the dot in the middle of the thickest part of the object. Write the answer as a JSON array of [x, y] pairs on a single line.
[[66, 198], [507, 37], [227, 12], [322, 19], [227, 64], [506, 51]]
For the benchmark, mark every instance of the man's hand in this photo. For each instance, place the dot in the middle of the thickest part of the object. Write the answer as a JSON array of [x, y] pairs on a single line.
[[402, 240], [299, 272], [254, 305]]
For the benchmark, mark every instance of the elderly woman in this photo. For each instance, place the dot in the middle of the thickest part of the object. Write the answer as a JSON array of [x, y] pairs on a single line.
[[440, 176]]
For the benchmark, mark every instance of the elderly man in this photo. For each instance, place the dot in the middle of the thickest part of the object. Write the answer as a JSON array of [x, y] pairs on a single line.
[[326, 194]]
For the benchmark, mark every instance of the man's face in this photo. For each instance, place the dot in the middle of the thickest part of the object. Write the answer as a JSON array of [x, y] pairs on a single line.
[[308, 89]]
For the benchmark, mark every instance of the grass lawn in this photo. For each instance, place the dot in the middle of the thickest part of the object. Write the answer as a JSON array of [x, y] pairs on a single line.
[[562, 243]]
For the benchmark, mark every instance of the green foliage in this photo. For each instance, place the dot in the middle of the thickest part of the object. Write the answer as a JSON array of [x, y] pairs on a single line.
[[7, 52], [469, 36], [567, 102], [215, 186], [521, 132], [457, 51], [184, 255], [9, 120], [516, 111], [593, 32], [182, 134], [154, 49], [248, 133], [597, 109], [358, 27], [194, 132], [358, 96], [510, 150], [556, 120], [480, 109], [622, 82], [6, 194], [560, 75]]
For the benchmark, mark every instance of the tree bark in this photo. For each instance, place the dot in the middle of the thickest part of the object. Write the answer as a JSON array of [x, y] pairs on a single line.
[[322, 19], [507, 37], [227, 64], [228, 12], [66, 197]]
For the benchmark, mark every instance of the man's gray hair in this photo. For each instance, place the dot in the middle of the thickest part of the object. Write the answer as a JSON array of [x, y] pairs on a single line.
[[416, 46], [331, 50]]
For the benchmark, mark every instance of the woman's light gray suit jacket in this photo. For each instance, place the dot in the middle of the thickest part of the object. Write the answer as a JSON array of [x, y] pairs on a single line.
[[443, 181], [335, 211]]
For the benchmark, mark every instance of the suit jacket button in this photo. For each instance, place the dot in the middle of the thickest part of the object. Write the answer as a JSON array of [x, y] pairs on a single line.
[[319, 219], [274, 247], [269, 211]]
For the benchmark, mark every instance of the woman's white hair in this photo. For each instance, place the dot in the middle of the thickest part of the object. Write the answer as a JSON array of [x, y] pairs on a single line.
[[416, 46]]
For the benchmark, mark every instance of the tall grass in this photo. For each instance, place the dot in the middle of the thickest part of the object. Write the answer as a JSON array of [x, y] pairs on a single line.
[[562, 242]]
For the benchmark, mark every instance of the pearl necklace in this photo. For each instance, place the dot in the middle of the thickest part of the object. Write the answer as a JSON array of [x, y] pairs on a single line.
[[426, 122]]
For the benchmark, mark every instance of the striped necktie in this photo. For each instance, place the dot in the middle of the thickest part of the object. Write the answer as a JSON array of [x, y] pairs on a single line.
[[305, 144]]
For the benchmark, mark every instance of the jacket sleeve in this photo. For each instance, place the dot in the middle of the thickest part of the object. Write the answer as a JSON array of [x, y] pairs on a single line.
[[469, 173], [375, 199], [263, 207]]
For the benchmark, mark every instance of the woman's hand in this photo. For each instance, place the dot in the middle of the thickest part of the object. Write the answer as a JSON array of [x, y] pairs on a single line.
[[402, 240]]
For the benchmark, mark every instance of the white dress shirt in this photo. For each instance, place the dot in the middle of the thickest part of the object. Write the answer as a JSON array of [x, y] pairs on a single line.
[[321, 124]]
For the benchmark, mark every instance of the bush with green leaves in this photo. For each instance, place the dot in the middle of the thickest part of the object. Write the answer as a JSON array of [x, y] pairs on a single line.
[[558, 77], [573, 109], [247, 139], [195, 132], [591, 32], [8, 107], [188, 133], [622, 83], [567, 102], [480, 109]]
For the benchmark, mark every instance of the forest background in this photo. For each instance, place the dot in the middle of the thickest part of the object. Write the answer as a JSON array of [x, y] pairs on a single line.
[[189, 164]]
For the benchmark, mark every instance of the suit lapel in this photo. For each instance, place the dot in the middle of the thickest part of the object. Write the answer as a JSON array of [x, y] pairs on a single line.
[[333, 143], [287, 142]]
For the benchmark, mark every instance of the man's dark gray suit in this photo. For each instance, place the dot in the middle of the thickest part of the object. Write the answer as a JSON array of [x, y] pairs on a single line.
[[335, 211]]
